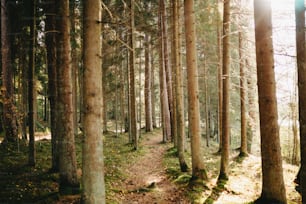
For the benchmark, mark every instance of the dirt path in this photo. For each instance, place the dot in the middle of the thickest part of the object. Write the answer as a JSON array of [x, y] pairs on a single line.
[[149, 170]]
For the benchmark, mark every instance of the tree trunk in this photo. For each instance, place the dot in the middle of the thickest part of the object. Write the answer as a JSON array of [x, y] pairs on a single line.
[[225, 150], [273, 189], [148, 79], [74, 65], [93, 166], [9, 114], [133, 115], [198, 171], [31, 85], [167, 65], [243, 87], [220, 83], [153, 89], [164, 105], [301, 66], [178, 79], [52, 78], [67, 162]]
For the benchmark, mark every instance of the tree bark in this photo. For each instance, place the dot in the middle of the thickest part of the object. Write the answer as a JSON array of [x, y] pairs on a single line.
[[165, 113], [67, 161], [198, 170], [178, 79], [93, 165], [148, 79], [31, 84], [225, 150], [9, 114], [273, 189], [243, 87], [133, 115], [168, 72], [301, 66]]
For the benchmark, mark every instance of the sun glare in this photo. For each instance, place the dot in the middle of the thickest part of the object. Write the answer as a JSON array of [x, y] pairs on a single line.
[[282, 5]]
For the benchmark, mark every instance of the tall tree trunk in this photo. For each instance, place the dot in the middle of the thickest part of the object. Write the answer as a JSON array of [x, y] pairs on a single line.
[[9, 114], [164, 105], [31, 84], [273, 189], [93, 166], [301, 66], [52, 78], [168, 72], [252, 106], [178, 79], [198, 171], [74, 65], [67, 161], [220, 81], [148, 91], [133, 115], [153, 88], [243, 87], [225, 91]]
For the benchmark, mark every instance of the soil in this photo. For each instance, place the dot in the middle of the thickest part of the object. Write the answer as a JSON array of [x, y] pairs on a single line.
[[147, 180]]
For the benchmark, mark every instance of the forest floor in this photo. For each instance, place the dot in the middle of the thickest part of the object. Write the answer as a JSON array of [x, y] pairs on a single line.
[[146, 176]]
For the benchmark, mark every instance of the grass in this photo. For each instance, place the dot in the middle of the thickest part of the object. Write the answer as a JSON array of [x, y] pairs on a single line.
[[21, 183]]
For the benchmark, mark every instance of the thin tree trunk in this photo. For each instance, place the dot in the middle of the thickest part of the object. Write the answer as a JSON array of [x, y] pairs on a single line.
[[198, 170], [167, 65], [165, 113], [225, 90], [243, 87], [52, 79], [220, 83], [133, 115], [153, 89], [74, 66], [31, 85], [93, 165], [148, 90], [273, 188], [301, 66], [178, 79]]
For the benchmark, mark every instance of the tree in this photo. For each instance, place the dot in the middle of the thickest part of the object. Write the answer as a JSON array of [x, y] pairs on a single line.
[[225, 91], [178, 79], [301, 66], [148, 79], [31, 85], [9, 112], [52, 77], [168, 72], [132, 115], [67, 160], [273, 189], [164, 104], [243, 87], [198, 170], [93, 166]]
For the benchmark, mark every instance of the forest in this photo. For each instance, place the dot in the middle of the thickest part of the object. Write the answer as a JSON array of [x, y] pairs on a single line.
[[153, 101]]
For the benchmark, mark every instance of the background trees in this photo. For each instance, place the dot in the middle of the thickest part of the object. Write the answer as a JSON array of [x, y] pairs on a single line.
[[138, 37]]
